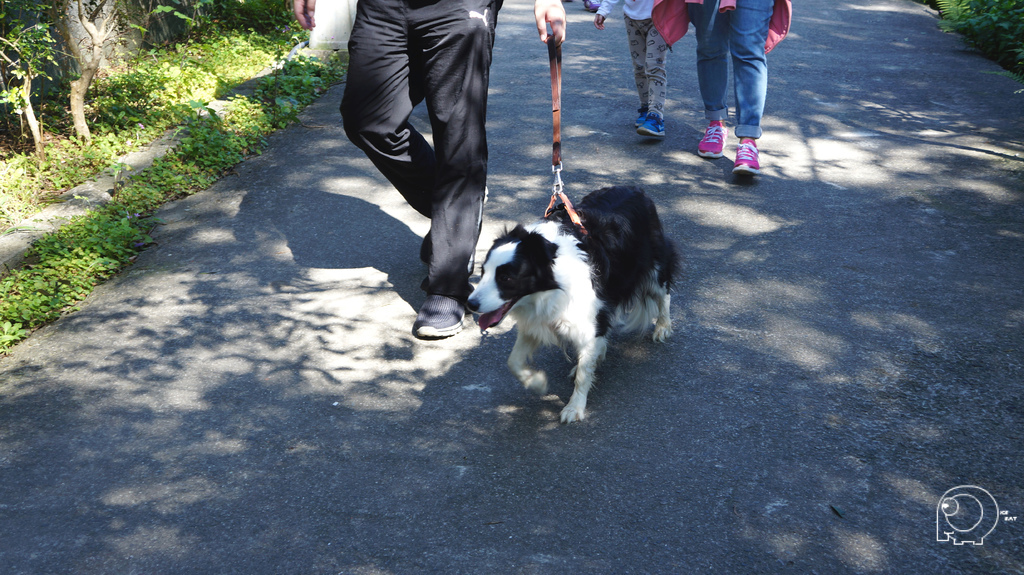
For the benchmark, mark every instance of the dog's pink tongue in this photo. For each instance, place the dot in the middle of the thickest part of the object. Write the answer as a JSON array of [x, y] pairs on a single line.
[[491, 319]]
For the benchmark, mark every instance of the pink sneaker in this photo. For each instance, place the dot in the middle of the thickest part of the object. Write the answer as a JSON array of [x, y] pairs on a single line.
[[746, 160], [713, 142]]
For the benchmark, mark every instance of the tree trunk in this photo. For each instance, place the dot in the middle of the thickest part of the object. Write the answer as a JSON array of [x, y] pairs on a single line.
[[98, 22], [81, 86], [78, 89], [30, 117]]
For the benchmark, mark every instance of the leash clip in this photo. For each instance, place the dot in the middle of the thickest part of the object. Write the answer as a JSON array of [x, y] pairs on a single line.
[[557, 187], [557, 194]]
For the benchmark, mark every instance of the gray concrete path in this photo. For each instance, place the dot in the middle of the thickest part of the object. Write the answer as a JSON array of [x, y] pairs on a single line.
[[248, 397]]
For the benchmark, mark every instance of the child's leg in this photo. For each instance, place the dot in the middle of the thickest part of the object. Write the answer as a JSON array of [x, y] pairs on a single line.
[[637, 38], [654, 69]]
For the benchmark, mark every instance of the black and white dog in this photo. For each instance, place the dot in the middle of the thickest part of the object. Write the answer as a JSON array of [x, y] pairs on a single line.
[[568, 288]]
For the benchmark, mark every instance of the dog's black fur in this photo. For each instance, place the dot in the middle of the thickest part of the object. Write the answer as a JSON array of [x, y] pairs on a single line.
[[624, 241]]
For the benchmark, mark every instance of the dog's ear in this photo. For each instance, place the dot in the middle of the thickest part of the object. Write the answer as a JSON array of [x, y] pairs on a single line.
[[518, 233], [551, 248], [538, 248]]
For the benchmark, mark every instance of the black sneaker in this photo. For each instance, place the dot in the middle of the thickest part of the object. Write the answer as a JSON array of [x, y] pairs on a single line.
[[440, 317]]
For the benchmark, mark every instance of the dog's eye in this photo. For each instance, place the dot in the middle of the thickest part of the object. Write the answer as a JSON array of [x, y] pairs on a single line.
[[504, 278]]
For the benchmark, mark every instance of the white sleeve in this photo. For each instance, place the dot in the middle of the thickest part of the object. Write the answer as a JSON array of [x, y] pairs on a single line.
[[607, 6]]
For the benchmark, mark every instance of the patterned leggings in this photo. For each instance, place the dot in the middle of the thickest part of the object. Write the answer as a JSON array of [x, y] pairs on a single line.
[[648, 50]]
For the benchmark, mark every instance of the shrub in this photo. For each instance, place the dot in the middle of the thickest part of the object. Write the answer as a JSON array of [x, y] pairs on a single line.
[[259, 15], [995, 27]]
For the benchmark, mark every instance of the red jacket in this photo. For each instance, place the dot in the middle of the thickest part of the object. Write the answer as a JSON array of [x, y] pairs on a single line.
[[672, 19]]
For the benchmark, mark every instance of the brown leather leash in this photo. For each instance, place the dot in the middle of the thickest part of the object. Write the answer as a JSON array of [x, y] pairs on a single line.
[[557, 190]]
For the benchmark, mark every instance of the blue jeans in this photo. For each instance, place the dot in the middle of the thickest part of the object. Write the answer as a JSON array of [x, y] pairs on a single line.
[[740, 33]]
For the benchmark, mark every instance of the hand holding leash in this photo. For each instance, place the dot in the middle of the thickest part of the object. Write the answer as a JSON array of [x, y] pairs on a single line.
[[550, 12]]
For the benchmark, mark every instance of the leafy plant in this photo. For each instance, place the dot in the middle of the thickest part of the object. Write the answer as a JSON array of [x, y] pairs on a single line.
[[10, 333], [950, 10], [257, 15], [1019, 78], [177, 11], [26, 47], [297, 83], [995, 27]]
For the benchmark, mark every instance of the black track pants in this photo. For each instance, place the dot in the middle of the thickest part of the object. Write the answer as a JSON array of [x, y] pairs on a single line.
[[400, 53]]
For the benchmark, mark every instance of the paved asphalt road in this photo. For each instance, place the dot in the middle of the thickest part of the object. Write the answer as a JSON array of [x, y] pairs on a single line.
[[248, 397]]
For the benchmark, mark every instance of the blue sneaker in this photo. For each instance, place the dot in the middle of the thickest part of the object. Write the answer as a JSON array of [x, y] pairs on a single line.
[[591, 5], [653, 126], [642, 110]]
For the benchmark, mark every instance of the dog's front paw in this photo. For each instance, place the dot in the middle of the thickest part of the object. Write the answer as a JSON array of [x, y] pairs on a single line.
[[575, 411], [535, 381], [662, 332]]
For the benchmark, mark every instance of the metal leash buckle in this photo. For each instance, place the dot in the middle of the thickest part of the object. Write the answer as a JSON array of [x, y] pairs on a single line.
[[557, 187]]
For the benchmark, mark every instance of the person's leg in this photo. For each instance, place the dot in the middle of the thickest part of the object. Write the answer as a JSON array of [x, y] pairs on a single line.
[[379, 97], [636, 41], [654, 68], [749, 30], [453, 40], [712, 30], [653, 62]]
